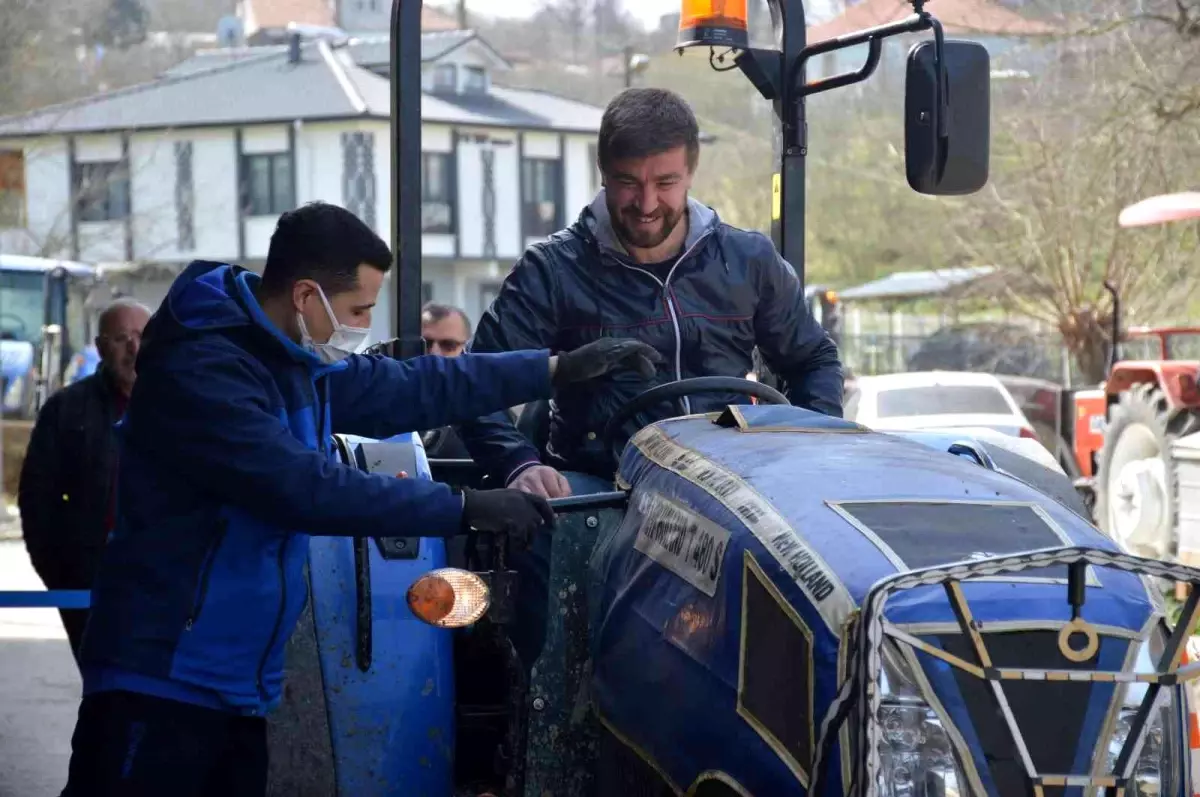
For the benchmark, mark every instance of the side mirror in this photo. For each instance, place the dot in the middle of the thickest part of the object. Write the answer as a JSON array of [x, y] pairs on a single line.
[[948, 156]]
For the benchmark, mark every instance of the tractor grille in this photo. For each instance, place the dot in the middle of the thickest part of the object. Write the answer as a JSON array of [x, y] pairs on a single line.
[[1051, 716], [623, 773]]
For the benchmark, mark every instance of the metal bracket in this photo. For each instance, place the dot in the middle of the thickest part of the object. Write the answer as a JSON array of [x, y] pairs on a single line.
[[763, 68]]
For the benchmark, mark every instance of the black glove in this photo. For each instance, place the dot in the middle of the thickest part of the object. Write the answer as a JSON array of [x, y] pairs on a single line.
[[510, 512], [602, 356]]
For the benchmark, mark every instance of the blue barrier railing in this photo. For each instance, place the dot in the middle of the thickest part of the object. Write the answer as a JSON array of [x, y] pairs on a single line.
[[46, 599]]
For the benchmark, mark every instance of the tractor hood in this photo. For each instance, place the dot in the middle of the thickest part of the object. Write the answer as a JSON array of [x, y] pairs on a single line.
[[749, 546]]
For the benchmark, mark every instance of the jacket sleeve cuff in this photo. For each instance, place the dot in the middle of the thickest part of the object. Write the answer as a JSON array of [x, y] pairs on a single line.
[[519, 469], [444, 514]]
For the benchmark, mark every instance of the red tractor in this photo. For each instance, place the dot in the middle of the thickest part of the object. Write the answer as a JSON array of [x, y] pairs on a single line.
[[1125, 431]]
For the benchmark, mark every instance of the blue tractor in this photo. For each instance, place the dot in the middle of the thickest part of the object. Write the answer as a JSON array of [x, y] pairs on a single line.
[[768, 601], [46, 329]]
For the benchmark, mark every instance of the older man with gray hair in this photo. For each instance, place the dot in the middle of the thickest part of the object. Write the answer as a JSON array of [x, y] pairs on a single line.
[[66, 488]]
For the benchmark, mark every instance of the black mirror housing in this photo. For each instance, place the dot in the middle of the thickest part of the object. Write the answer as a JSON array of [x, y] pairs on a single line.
[[950, 156]]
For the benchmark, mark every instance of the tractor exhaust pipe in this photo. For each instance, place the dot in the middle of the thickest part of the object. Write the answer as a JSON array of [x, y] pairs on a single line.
[[1114, 352]]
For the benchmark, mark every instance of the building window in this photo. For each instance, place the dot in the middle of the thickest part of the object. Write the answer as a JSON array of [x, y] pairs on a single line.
[[269, 190], [437, 195], [426, 293], [185, 196], [541, 187], [445, 78], [102, 191], [476, 81], [12, 189]]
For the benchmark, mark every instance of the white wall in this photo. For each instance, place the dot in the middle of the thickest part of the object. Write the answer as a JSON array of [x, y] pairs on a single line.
[[360, 16], [214, 198], [582, 180], [508, 199]]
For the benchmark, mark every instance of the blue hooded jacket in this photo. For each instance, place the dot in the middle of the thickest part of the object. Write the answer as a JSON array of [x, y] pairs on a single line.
[[226, 468]]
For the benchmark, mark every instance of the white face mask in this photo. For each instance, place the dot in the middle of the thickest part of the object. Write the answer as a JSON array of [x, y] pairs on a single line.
[[341, 344]]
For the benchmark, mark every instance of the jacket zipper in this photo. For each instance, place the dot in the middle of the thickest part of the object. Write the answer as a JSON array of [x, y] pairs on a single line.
[[262, 663], [672, 310], [319, 412], [206, 569]]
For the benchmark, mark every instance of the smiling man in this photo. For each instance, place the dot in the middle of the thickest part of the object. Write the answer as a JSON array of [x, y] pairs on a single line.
[[645, 261]]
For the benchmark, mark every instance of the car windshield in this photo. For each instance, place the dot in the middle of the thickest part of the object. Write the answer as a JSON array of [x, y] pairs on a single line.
[[942, 400]]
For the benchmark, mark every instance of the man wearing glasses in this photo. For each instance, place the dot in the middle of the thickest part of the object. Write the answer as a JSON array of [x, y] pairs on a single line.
[[65, 494], [445, 329]]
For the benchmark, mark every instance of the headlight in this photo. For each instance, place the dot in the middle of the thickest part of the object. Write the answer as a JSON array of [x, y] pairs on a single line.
[[917, 759], [1156, 768], [916, 755]]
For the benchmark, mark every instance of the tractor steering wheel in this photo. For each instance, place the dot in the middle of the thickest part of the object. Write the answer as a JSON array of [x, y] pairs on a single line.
[[685, 387]]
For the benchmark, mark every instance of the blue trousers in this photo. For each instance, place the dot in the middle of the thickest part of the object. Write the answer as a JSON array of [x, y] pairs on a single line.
[[528, 631]]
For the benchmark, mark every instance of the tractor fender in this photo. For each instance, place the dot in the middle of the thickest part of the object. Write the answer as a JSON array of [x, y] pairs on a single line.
[[1175, 378], [368, 707]]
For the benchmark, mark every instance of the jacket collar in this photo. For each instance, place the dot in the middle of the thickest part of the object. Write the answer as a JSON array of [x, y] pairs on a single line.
[[595, 224]]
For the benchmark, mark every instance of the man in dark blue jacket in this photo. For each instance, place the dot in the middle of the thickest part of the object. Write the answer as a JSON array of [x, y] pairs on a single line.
[[645, 261], [226, 468]]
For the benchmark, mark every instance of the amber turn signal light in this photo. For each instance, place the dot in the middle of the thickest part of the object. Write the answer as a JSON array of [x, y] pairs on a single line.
[[449, 598]]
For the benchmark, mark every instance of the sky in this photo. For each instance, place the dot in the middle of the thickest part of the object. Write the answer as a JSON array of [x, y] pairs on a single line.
[[647, 11]]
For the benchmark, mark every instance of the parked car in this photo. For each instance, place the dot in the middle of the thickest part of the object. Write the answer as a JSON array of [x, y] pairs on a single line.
[[936, 400]]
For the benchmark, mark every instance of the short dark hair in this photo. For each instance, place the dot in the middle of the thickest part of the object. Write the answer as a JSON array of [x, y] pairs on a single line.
[[324, 243], [433, 312], [640, 122]]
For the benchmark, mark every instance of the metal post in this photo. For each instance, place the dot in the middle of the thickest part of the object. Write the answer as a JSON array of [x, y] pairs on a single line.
[[791, 135], [406, 174]]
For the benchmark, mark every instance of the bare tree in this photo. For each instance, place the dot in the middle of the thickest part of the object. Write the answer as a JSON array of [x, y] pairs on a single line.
[[1048, 219], [572, 17]]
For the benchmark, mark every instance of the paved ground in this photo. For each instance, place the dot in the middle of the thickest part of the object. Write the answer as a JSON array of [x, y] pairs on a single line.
[[39, 688]]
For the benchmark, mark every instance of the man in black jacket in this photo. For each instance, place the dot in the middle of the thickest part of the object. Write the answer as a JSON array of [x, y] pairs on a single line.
[[65, 494], [643, 261]]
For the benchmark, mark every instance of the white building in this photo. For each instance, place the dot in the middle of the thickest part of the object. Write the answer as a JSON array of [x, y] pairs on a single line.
[[200, 163]]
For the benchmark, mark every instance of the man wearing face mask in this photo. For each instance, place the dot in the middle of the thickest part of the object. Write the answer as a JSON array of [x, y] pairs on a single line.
[[226, 468]]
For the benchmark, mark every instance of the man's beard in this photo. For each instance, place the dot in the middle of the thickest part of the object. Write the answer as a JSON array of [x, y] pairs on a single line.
[[632, 233]]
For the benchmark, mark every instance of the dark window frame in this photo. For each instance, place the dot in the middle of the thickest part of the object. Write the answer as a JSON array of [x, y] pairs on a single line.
[[547, 171], [480, 77], [280, 196], [114, 202], [440, 192], [439, 82]]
